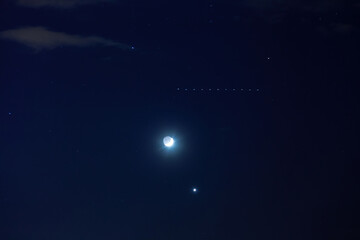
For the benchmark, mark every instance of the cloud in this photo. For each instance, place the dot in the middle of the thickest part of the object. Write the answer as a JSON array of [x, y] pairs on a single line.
[[57, 3], [338, 29], [326, 15], [40, 38], [294, 5], [343, 28]]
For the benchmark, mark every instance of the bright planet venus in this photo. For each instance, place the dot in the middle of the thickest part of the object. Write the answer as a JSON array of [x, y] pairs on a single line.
[[168, 141]]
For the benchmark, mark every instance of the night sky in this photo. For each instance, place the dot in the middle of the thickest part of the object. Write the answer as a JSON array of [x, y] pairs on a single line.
[[260, 96]]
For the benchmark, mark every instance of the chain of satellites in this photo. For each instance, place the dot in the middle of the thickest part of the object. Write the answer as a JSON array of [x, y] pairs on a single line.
[[218, 89]]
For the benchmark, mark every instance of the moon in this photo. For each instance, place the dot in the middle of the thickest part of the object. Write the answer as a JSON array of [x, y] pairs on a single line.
[[168, 141]]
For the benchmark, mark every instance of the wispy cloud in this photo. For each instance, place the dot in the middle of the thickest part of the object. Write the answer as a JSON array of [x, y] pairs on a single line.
[[279, 11], [344, 28], [338, 28], [40, 38], [57, 3], [295, 5]]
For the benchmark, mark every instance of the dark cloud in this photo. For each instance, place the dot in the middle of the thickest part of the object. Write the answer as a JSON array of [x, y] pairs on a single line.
[[326, 15], [344, 28], [338, 28], [40, 38], [295, 5], [57, 3]]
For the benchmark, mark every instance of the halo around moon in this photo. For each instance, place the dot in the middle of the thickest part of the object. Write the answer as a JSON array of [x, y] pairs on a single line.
[[168, 141]]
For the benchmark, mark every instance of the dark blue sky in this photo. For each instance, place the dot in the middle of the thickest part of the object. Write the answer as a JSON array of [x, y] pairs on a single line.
[[88, 90]]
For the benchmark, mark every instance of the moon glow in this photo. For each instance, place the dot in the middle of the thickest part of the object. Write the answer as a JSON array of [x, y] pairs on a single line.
[[168, 141]]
